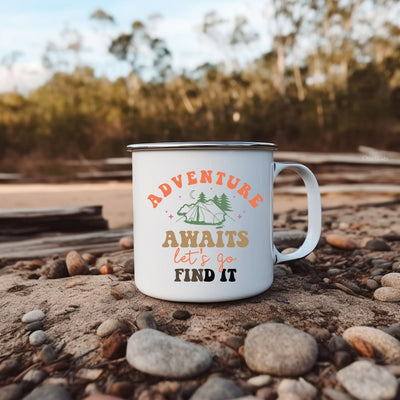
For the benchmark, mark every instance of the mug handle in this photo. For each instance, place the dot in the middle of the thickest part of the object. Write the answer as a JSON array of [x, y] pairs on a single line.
[[314, 211]]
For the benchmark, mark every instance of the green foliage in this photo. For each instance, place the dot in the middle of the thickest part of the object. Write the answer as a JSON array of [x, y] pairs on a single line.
[[340, 93]]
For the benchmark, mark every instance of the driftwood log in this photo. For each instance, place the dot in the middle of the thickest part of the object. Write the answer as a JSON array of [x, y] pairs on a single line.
[[44, 220]]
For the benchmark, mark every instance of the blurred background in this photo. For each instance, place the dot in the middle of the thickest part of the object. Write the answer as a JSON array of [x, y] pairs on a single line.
[[81, 80]]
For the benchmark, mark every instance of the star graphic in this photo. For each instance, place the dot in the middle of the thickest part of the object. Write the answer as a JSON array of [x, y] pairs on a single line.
[[239, 216], [170, 216]]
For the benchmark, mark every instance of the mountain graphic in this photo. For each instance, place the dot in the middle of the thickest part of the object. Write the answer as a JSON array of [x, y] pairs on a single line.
[[206, 212]]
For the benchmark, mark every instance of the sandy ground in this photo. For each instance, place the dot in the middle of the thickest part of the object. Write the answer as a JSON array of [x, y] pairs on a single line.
[[116, 198]]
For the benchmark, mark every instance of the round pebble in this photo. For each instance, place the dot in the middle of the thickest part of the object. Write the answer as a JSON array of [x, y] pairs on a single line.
[[89, 258], [394, 330], [279, 349], [107, 327], [156, 353], [260, 380], [76, 265], [289, 389], [371, 284], [392, 279], [10, 366], [333, 394], [396, 266], [122, 388], [341, 359], [377, 245], [13, 391], [34, 326], [102, 397], [57, 269], [217, 388], [33, 316], [383, 344], [366, 381], [48, 354], [49, 392], [145, 320], [35, 376], [341, 241], [386, 293], [181, 315], [320, 334], [106, 269], [37, 338], [126, 243]]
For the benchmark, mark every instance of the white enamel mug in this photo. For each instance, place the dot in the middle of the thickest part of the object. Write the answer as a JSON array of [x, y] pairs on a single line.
[[203, 219]]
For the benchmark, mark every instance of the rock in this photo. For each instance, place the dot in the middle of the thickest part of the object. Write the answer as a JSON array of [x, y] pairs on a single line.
[[48, 354], [291, 389], [371, 284], [396, 266], [102, 397], [34, 326], [387, 293], [76, 265], [377, 245], [145, 320], [126, 243], [106, 269], [35, 376], [291, 238], [181, 315], [394, 330], [341, 359], [37, 338], [49, 392], [384, 346], [114, 346], [12, 392], [337, 343], [107, 327], [392, 279], [156, 353], [234, 342], [217, 389], [266, 393], [333, 394], [33, 316], [279, 349], [57, 269], [312, 258], [339, 241], [90, 374], [366, 381], [10, 366], [320, 334], [122, 389], [260, 380], [89, 258]]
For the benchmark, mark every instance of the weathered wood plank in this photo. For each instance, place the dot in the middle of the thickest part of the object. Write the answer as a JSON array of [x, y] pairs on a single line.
[[93, 242], [67, 219]]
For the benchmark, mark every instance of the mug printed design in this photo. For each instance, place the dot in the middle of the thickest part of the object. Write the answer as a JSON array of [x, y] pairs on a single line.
[[206, 211], [206, 251]]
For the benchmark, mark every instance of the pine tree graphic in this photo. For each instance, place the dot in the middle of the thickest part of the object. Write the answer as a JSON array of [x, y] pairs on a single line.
[[224, 203], [202, 198]]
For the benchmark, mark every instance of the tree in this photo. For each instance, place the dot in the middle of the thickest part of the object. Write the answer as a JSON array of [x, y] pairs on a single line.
[[224, 203]]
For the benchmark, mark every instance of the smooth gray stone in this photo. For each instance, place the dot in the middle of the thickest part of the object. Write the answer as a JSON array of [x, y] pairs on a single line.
[[217, 389], [156, 353], [49, 392]]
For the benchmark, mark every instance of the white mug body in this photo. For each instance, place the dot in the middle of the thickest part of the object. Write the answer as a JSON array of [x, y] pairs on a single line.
[[203, 220]]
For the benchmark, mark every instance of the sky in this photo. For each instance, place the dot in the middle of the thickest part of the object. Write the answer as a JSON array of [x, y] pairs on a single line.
[[27, 26]]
